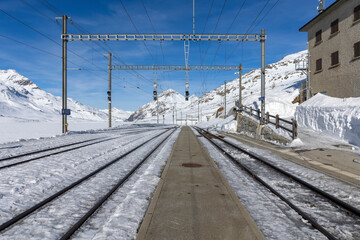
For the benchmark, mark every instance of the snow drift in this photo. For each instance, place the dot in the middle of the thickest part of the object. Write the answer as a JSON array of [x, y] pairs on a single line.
[[337, 117]]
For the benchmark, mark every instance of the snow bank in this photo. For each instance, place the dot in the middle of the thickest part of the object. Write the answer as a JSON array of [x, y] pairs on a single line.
[[336, 117]]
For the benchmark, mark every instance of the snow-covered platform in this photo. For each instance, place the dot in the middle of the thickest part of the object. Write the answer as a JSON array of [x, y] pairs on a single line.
[[194, 201]]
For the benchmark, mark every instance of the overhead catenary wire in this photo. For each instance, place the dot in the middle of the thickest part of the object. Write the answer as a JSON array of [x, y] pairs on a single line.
[[250, 27], [152, 25], [136, 29], [217, 23], [83, 30], [264, 15]]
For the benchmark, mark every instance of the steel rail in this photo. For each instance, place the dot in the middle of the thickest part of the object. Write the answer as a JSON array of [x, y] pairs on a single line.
[[271, 189], [37, 206], [57, 147], [262, 159], [85, 217], [47, 149], [55, 153]]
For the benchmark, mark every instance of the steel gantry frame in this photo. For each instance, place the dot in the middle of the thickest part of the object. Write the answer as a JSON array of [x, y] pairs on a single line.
[[66, 37], [177, 67], [186, 68]]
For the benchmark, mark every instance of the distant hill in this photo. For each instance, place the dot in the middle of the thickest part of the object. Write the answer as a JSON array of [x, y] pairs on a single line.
[[22, 99]]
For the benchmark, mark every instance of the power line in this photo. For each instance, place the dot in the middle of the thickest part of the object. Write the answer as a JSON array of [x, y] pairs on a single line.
[[25, 44], [37, 10], [237, 45], [81, 29], [147, 14], [257, 16], [207, 18], [223, 6], [237, 14], [132, 22], [265, 15]]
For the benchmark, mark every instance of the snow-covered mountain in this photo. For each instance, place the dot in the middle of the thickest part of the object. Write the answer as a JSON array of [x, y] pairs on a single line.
[[21, 98], [167, 101], [282, 85]]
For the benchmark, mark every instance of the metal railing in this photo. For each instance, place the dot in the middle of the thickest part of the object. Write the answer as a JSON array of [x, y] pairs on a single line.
[[290, 126]]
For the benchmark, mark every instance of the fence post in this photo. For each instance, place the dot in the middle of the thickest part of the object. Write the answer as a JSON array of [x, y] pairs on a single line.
[[277, 121], [267, 117], [250, 111], [258, 114], [294, 129]]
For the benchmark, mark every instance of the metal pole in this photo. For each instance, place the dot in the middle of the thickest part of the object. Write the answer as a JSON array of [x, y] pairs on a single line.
[[240, 88], [308, 92], [225, 101], [109, 92], [262, 41], [198, 111], [194, 17], [64, 76]]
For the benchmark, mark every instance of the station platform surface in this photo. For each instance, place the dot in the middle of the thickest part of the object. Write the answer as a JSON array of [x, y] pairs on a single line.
[[194, 201]]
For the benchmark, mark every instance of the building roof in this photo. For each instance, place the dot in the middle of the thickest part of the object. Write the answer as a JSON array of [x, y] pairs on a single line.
[[321, 15]]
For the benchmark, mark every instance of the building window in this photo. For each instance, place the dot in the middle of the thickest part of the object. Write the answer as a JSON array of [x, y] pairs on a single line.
[[335, 26], [357, 13], [318, 65], [335, 58], [318, 36], [357, 49]]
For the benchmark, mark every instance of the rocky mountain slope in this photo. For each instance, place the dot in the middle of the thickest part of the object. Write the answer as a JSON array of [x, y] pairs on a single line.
[[21, 98]]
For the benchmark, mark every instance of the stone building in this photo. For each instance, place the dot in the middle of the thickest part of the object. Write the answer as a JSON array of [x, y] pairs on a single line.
[[334, 46]]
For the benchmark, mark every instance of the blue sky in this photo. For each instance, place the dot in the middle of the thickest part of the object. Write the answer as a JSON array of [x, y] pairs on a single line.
[[281, 19]]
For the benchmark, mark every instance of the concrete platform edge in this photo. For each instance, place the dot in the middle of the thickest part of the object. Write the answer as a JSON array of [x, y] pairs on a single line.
[[258, 234], [149, 212]]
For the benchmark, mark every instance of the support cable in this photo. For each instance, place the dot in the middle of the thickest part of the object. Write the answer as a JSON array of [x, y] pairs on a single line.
[[83, 30], [264, 15], [132, 22], [223, 6], [237, 45], [147, 14]]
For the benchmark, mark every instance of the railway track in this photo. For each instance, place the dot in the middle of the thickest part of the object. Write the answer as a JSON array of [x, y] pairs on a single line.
[[12, 161], [93, 198], [294, 191]]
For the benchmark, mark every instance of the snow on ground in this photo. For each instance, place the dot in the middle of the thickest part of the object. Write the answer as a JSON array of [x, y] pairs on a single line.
[[336, 117], [17, 129], [273, 217], [21, 187]]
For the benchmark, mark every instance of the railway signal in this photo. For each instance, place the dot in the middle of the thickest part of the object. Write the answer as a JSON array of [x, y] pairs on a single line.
[[187, 91]]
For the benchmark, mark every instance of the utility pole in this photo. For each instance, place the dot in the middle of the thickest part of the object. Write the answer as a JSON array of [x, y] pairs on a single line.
[[64, 77], [308, 88], [262, 98], [163, 119], [240, 88], [173, 114], [194, 17], [198, 111], [109, 92], [225, 101]]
